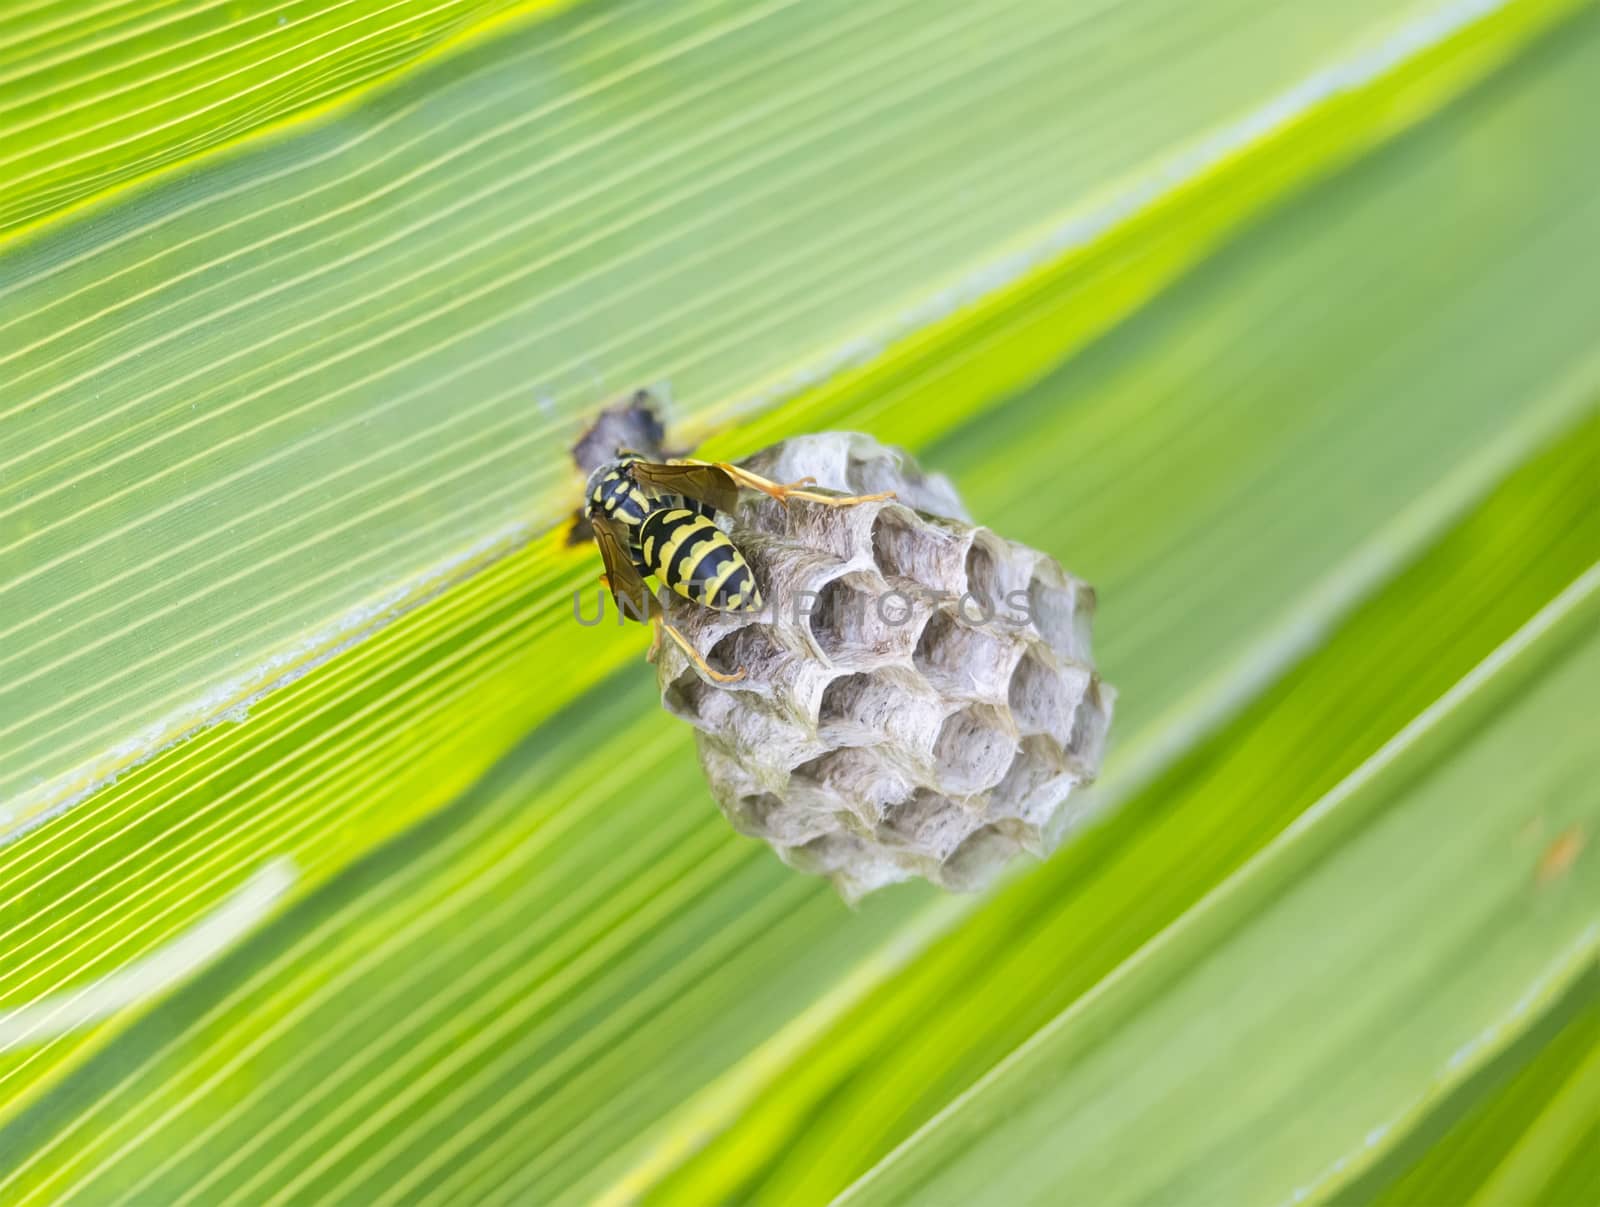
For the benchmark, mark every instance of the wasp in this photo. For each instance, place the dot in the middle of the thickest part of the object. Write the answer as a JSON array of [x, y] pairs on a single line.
[[658, 518]]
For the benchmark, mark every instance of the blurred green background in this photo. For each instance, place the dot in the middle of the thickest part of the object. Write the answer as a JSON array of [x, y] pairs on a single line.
[[337, 865]]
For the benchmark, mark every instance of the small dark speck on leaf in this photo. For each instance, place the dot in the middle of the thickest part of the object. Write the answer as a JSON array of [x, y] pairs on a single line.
[[1560, 855]]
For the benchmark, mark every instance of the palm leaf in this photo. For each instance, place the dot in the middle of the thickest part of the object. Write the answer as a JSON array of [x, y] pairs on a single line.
[[1358, 1033], [342, 865]]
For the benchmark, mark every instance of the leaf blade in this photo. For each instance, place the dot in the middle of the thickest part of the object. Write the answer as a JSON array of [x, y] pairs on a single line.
[[1536, 955], [248, 335]]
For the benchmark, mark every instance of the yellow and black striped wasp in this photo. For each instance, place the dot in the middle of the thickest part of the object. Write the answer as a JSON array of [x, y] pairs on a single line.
[[656, 518]]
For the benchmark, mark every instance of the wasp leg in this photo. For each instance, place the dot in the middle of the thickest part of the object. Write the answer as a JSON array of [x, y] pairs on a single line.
[[784, 491], [694, 654]]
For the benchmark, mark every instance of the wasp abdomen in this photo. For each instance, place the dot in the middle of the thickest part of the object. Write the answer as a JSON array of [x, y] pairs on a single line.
[[695, 558]]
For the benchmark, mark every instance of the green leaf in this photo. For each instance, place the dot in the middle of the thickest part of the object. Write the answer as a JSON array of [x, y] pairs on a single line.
[[1050, 938], [1326, 1015], [253, 411], [1505, 1115], [95, 99], [343, 865]]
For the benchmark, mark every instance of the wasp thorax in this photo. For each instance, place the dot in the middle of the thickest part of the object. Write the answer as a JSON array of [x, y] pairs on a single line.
[[594, 488], [919, 696], [611, 491]]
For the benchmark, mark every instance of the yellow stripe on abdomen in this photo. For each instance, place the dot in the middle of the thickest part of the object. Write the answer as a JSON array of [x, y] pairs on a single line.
[[695, 558]]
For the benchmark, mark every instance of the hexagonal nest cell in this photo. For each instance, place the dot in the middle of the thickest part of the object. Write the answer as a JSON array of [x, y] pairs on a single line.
[[963, 660], [852, 625], [919, 696]]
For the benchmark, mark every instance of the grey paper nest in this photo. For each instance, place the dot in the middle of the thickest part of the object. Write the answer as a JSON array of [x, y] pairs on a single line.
[[888, 725]]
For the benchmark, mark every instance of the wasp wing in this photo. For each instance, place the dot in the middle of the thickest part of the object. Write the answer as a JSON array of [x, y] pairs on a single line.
[[628, 590], [698, 480]]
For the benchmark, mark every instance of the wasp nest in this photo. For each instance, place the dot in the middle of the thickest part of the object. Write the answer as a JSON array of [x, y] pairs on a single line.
[[919, 697]]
